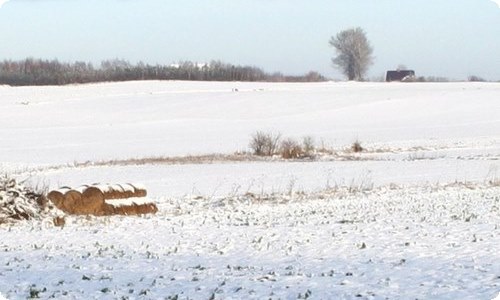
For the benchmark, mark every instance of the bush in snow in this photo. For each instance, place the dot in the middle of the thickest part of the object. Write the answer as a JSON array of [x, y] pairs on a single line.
[[308, 145], [18, 202], [356, 147], [265, 143], [290, 148]]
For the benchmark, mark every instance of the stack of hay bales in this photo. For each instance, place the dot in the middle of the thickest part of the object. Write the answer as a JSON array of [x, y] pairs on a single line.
[[103, 200]]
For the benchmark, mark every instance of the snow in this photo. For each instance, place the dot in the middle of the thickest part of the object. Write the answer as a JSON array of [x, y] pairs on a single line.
[[127, 120], [416, 216]]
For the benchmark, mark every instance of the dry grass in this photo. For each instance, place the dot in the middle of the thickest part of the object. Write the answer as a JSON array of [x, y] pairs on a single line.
[[291, 149]]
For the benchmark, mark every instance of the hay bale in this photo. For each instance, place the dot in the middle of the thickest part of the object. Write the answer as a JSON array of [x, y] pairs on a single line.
[[103, 199], [92, 201], [131, 206], [115, 191], [133, 209], [121, 191], [139, 190], [57, 196], [148, 208], [72, 202]]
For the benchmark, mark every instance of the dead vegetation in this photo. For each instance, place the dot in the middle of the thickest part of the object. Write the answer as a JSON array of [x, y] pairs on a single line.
[[19, 202], [356, 147]]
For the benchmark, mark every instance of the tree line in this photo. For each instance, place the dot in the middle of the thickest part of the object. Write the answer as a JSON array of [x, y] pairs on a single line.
[[32, 71]]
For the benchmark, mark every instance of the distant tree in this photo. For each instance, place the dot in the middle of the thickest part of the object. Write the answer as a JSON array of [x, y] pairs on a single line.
[[475, 78], [354, 53], [31, 71]]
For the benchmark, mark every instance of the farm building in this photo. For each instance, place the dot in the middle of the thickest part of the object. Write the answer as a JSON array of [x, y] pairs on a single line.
[[399, 75]]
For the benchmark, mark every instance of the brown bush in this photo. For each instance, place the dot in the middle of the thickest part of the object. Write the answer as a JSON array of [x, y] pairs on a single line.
[[265, 144], [356, 147], [308, 145], [59, 221], [290, 148]]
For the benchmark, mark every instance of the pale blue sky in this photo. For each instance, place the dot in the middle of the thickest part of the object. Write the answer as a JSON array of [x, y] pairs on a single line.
[[452, 38]]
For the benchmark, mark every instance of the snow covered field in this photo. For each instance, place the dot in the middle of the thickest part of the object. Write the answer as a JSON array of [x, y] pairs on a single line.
[[417, 216]]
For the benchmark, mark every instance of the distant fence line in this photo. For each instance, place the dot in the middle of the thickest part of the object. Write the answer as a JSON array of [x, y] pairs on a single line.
[[52, 72]]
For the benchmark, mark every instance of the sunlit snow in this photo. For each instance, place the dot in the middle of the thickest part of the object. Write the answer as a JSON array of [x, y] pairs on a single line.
[[414, 216]]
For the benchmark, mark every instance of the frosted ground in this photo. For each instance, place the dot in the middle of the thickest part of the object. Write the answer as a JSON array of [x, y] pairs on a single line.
[[416, 216]]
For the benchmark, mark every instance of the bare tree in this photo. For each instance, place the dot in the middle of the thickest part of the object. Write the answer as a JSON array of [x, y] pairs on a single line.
[[354, 53], [265, 143]]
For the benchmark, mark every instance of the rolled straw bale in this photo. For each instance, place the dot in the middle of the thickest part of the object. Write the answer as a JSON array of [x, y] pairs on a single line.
[[115, 192], [103, 199], [131, 206], [72, 202], [147, 208], [57, 196], [133, 209], [122, 191], [107, 210], [92, 201], [126, 210], [139, 190], [128, 190]]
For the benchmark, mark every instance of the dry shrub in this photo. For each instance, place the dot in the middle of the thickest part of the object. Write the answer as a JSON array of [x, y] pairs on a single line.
[[356, 147], [59, 221], [308, 145], [265, 143], [19, 202], [290, 148]]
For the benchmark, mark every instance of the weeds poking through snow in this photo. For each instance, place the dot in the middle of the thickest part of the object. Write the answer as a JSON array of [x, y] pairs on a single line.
[[356, 147]]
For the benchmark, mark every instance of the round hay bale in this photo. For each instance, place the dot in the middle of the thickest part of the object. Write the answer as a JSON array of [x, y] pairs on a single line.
[[126, 210], [115, 191], [128, 190], [132, 209], [57, 197], [148, 208], [72, 202], [107, 210], [139, 190], [92, 201]]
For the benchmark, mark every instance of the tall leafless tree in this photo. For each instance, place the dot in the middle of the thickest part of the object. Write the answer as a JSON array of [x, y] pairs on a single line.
[[354, 53]]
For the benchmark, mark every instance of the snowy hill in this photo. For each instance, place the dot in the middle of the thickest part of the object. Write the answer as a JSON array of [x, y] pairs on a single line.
[[416, 215]]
